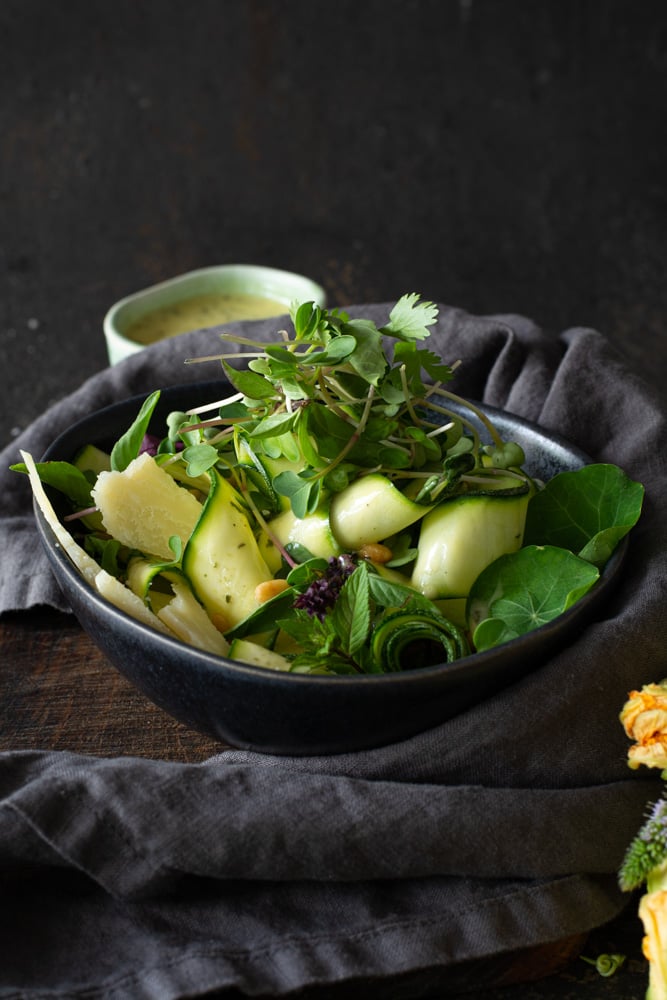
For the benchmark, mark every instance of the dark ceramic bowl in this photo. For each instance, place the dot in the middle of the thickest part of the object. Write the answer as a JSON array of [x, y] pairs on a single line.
[[280, 713]]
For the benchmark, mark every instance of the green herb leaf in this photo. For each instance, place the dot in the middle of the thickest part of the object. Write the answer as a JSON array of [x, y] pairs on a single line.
[[275, 425], [587, 511], [302, 490], [524, 590], [65, 478], [127, 447], [368, 359], [199, 458], [250, 383], [410, 318], [352, 614], [336, 351]]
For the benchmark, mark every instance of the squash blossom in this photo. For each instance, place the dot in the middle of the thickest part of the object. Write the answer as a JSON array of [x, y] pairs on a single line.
[[653, 914], [644, 718]]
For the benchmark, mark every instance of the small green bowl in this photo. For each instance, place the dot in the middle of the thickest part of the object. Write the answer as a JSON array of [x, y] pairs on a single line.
[[192, 299]]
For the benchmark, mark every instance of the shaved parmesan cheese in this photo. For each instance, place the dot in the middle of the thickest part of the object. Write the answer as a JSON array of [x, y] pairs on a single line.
[[124, 599], [186, 617], [143, 507], [101, 581], [83, 562]]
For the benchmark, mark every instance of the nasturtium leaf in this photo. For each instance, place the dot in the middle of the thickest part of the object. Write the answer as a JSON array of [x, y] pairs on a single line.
[[492, 632], [587, 511], [526, 589], [127, 447]]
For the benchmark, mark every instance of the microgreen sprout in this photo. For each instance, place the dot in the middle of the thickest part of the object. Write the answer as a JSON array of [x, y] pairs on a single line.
[[333, 395]]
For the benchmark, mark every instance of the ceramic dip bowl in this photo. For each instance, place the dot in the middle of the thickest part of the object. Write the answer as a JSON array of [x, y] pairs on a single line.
[[206, 297]]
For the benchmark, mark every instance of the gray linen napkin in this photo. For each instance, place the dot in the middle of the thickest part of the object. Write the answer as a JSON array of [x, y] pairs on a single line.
[[501, 828]]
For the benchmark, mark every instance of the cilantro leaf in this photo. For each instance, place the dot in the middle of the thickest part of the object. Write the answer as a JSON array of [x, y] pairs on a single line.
[[409, 319]]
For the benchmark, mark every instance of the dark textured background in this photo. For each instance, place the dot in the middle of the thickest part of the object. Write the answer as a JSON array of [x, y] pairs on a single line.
[[498, 155]]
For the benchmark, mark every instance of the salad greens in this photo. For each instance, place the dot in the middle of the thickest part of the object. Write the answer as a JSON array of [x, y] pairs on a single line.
[[341, 510]]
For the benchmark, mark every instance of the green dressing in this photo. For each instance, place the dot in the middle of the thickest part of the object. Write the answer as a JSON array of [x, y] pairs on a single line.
[[200, 311]]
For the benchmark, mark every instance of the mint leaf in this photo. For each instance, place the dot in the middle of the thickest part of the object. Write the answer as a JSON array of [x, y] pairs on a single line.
[[352, 612]]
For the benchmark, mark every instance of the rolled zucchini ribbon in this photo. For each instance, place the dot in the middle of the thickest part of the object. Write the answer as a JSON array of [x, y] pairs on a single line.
[[412, 637]]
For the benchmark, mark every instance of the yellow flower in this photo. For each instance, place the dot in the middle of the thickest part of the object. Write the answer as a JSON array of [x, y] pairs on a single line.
[[653, 914], [644, 718]]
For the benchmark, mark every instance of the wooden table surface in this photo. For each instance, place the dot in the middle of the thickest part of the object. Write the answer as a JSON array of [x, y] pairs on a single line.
[[59, 692]]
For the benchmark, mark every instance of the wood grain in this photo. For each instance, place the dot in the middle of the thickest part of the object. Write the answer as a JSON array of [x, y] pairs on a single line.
[[59, 692]]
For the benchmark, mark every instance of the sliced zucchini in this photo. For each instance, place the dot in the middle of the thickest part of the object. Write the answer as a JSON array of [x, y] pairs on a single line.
[[262, 469], [270, 552], [369, 510], [251, 652], [461, 537], [178, 471], [93, 459], [414, 637], [143, 573], [313, 532], [222, 560]]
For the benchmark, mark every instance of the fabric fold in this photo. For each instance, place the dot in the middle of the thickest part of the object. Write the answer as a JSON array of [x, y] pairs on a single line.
[[121, 822], [500, 828]]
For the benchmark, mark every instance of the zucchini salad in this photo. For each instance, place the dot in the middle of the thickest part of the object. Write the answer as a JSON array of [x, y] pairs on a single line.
[[338, 511]]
